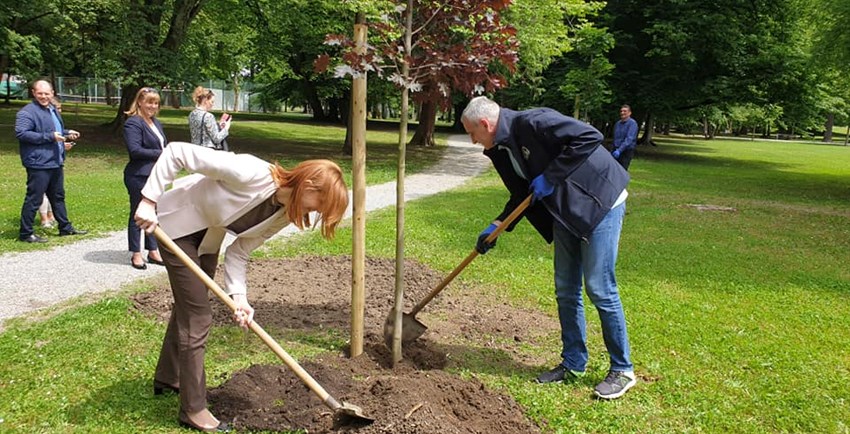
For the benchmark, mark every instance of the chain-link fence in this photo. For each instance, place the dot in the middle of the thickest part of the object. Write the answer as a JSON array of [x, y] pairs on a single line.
[[97, 91]]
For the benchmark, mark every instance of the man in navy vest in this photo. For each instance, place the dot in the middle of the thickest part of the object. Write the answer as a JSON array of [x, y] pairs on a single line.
[[43, 141], [579, 199]]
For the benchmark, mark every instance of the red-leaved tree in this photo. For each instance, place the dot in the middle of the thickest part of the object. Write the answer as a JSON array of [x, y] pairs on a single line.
[[456, 46]]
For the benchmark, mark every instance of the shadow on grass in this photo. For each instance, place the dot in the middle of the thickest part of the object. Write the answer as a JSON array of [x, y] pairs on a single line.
[[705, 170], [128, 403]]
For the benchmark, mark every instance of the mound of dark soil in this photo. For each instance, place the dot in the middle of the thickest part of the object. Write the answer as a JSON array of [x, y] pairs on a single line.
[[416, 396]]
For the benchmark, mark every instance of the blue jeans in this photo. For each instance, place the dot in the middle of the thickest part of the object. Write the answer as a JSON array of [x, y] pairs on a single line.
[[594, 261]]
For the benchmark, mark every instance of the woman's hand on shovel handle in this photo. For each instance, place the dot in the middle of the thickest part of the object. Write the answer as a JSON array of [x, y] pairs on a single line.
[[146, 215], [244, 313]]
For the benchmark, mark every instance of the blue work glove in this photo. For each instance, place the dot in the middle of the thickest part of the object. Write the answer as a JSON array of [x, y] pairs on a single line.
[[540, 187], [483, 246], [616, 153]]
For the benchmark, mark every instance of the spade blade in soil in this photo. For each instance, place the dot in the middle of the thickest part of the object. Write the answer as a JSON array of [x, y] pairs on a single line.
[[411, 328], [350, 415]]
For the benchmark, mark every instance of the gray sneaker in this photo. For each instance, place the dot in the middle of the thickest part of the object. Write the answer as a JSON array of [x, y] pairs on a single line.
[[615, 385], [558, 374]]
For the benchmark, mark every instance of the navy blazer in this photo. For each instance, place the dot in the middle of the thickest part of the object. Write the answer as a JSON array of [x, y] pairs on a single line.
[[569, 154], [34, 129], [142, 145]]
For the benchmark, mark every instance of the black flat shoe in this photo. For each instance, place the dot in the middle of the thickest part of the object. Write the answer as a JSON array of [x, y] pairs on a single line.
[[159, 388], [33, 239], [72, 232], [222, 427], [154, 261], [141, 266]]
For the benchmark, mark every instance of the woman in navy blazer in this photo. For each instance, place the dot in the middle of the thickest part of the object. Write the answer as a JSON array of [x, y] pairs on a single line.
[[145, 140]]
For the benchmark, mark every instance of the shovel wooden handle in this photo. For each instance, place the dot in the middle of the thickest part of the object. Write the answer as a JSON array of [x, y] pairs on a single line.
[[303, 375], [499, 229]]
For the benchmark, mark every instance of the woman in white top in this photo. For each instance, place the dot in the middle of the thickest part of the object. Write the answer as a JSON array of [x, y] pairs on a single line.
[[204, 129], [145, 141], [239, 194]]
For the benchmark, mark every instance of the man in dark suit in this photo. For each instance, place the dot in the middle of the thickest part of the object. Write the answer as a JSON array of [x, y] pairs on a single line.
[[43, 142], [579, 199]]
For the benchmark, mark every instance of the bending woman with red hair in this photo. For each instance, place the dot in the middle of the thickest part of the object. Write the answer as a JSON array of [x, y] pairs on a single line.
[[231, 193]]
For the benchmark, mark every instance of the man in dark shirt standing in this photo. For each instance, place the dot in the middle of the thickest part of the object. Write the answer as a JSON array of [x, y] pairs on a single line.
[[43, 142], [579, 199], [625, 137]]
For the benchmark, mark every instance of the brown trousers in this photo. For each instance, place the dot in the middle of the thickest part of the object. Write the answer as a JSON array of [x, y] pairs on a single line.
[[181, 359]]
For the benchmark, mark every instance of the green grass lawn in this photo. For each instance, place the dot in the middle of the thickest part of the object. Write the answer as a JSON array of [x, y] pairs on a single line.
[[94, 182], [738, 319]]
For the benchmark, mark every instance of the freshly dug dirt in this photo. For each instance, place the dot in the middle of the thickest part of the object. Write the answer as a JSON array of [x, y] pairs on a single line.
[[417, 396]]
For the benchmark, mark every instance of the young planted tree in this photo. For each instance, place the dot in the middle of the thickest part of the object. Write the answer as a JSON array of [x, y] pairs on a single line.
[[456, 45]]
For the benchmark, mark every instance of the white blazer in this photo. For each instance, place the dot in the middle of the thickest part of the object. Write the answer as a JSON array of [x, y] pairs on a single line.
[[222, 187]]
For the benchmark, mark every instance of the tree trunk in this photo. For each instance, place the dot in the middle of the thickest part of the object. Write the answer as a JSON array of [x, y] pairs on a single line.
[[647, 131], [8, 86], [424, 135], [827, 131], [110, 92], [313, 101], [402, 146], [336, 110], [182, 14], [4, 63], [459, 107], [576, 103], [128, 92], [236, 93]]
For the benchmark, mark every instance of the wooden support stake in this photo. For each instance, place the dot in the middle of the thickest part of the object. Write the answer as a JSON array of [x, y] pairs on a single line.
[[358, 166]]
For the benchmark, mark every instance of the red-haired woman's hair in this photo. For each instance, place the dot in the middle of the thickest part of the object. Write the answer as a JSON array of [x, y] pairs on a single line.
[[323, 176]]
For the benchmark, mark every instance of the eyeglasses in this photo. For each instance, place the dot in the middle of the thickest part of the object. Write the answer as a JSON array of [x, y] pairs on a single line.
[[148, 90]]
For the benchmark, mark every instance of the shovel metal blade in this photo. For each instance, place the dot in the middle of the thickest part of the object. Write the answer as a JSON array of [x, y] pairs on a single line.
[[350, 415], [411, 328]]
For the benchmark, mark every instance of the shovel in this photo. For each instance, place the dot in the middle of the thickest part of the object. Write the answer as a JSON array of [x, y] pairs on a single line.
[[344, 414], [411, 328]]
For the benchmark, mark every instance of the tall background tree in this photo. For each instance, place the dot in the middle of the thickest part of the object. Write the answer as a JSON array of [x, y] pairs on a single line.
[[562, 55], [674, 56], [150, 35], [290, 35], [682, 64]]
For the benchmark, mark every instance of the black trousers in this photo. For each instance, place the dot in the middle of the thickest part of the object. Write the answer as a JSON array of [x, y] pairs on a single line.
[[626, 158], [134, 184], [39, 183]]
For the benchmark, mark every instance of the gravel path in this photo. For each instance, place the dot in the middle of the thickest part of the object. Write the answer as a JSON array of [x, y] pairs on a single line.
[[34, 280]]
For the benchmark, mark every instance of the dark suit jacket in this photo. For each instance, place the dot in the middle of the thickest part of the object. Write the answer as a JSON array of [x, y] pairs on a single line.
[[567, 152], [142, 145], [34, 129]]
